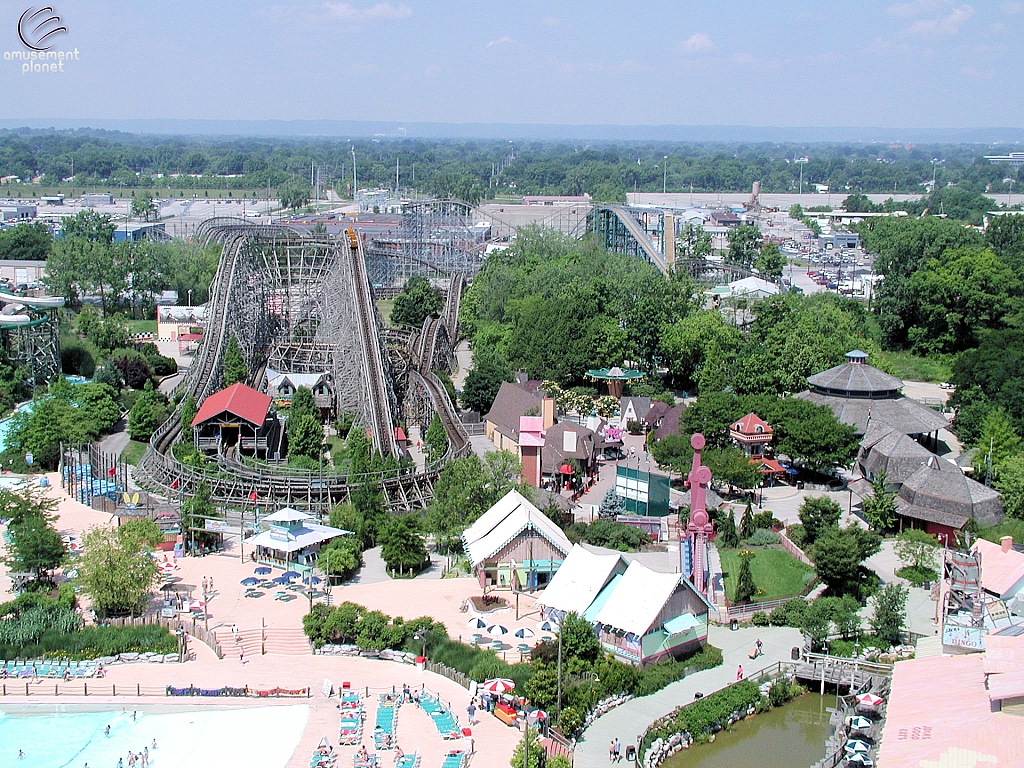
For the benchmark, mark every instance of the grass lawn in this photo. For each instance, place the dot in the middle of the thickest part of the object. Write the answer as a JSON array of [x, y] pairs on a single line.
[[141, 326], [906, 365], [384, 306], [776, 573], [132, 452]]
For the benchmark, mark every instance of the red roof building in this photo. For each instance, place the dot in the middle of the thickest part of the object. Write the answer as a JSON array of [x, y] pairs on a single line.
[[751, 433], [235, 417]]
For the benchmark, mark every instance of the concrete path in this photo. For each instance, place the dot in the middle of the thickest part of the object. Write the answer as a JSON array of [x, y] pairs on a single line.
[[117, 440], [630, 720], [373, 570]]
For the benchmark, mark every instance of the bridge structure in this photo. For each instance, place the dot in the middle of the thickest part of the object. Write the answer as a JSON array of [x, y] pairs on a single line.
[[304, 303], [649, 234]]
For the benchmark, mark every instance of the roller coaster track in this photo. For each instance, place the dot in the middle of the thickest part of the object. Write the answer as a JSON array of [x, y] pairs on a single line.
[[643, 241], [380, 412]]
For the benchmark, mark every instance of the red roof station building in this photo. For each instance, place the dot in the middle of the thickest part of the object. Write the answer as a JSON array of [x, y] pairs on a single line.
[[236, 419], [752, 435]]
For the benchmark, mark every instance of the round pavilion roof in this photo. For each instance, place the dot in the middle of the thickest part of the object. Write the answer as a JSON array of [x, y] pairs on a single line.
[[855, 378], [614, 374]]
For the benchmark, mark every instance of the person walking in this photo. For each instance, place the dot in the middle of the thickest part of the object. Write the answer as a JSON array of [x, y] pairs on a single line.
[[618, 749], [471, 711], [758, 644], [611, 751], [739, 672]]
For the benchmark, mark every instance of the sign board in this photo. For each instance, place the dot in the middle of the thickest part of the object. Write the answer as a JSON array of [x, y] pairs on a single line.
[[997, 610], [645, 493], [217, 526], [956, 636], [327, 689]]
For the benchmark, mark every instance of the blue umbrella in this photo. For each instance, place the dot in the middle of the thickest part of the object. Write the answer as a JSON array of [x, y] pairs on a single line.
[[249, 581], [312, 580], [281, 580], [291, 575], [262, 571]]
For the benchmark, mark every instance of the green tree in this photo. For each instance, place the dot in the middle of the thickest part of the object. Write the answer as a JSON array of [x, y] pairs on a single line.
[[115, 571], [744, 245], [489, 370], [728, 536], [1010, 482], [305, 436], [527, 753], [340, 558], [29, 241], [917, 549], [303, 404], [235, 369], [889, 619], [746, 589], [839, 555], [188, 413], [150, 410], [198, 507], [89, 225], [402, 545], [747, 522], [998, 440], [436, 439], [143, 207], [16, 507], [417, 301], [819, 515], [293, 195], [541, 689], [698, 349], [880, 507], [693, 242], [770, 261], [34, 546], [579, 641]]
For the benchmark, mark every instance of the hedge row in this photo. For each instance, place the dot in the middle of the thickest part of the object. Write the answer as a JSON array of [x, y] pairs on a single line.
[[94, 642]]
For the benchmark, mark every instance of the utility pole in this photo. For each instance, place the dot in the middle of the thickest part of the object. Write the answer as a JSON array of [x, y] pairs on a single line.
[[355, 185], [664, 179], [558, 704]]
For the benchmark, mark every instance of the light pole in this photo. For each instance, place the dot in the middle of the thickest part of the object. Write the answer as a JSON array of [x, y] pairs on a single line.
[[801, 162], [664, 179], [190, 297], [935, 162]]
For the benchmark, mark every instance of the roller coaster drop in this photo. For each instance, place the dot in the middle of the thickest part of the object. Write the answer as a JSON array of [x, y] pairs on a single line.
[[305, 304]]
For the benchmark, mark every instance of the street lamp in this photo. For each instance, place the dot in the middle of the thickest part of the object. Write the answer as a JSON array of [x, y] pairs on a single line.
[[802, 161], [422, 636], [190, 297], [664, 180]]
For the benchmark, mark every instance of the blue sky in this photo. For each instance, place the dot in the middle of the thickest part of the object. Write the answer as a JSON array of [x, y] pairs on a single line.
[[909, 63]]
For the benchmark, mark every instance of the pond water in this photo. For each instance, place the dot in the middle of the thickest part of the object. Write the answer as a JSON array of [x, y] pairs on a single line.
[[792, 736]]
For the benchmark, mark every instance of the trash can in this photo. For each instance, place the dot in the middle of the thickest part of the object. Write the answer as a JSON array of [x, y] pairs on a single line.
[[734, 624], [795, 653]]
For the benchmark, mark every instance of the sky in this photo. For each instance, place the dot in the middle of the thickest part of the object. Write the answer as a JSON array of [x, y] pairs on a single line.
[[908, 64]]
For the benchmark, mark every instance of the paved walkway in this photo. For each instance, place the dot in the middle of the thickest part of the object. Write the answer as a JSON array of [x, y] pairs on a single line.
[[373, 569], [920, 605], [630, 720]]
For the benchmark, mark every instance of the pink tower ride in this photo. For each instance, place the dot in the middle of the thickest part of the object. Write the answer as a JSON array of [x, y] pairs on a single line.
[[699, 527]]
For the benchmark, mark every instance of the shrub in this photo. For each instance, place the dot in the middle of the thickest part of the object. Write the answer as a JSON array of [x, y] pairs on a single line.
[[763, 537], [789, 614], [94, 642], [760, 619], [701, 716], [569, 721], [766, 520], [656, 677], [797, 534], [917, 576]]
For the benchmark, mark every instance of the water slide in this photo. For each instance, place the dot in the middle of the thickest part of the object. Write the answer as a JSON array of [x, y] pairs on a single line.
[[12, 317]]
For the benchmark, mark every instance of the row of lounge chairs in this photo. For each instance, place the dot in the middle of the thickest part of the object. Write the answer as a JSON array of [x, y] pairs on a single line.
[[54, 669], [386, 720], [454, 759], [350, 727], [446, 723]]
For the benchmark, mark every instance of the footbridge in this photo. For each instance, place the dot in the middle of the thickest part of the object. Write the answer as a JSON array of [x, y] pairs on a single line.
[[305, 304]]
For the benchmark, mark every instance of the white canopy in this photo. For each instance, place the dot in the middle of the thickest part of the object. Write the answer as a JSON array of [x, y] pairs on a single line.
[[509, 517], [288, 515], [638, 599], [580, 579]]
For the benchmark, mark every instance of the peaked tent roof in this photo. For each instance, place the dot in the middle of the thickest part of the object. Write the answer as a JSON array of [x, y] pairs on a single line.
[[888, 450], [748, 425], [510, 516], [908, 416], [579, 580], [288, 515], [638, 599], [856, 378], [244, 402]]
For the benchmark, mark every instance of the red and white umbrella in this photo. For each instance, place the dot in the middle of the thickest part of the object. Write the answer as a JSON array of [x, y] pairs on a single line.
[[868, 700], [196, 605], [536, 716], [499, 685]]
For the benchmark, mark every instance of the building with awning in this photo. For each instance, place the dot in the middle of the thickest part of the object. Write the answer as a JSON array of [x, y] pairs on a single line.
[[649, 616], [292, 540], [514, 545], [580, 579], [235, 418]]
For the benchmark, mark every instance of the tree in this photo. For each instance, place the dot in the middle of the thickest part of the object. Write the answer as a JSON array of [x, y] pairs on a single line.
[[188, 413], [29, 241], [116, 571], [303, 404], [26, 503], [235, 369], [90, 226], [813, 437], [998, 440], [489, 370], [693, 242], [402, 546], [148, 413], [1010, 482], [859, 203], [612, 505], [747, 522], [744, 244], [436, 439], [579, 641], [889, 619], [293, 195], [746, 589], [417, 301], [880, 507], [838, 558], [340, 558], [818, 515], [770, 261], [305, 436], [143, 207], [728, 537], [34, 546], [197, 508], [527, 753], [917, 549]]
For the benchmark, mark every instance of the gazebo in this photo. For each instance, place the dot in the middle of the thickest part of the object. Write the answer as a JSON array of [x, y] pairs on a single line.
[[292, 541], [615, 377]]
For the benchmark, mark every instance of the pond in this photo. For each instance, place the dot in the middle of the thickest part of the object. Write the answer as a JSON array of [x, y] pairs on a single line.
[[793, 736]]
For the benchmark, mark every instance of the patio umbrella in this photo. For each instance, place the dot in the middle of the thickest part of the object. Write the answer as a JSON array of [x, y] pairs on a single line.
[[290, 575], [476, 623], [262, 571], [196, 605], [249, 581], [859, 759], [525, 632], [312, 580], [281, 580], [858, 723], [547, 626], [497, 630], [536, 715], [869, 700], [856, 746], [499, 685]]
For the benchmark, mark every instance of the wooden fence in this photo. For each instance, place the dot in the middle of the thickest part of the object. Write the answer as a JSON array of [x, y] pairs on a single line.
[[452, 674], [196, 630], [793, 549]]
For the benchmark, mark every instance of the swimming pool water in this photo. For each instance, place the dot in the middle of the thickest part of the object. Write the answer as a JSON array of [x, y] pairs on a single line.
[[254, 737]]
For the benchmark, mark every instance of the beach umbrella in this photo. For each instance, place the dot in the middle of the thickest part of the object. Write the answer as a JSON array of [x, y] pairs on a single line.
[[525, 633], [497, 629], [312, 580], [547, 626], [262, 571], [290, 575], [249, 581], [860, 760], [281, 580], [476, 623], [857, 746], [498, 685], [536, 715], [196, 605], [858, 723], [869, 700]]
